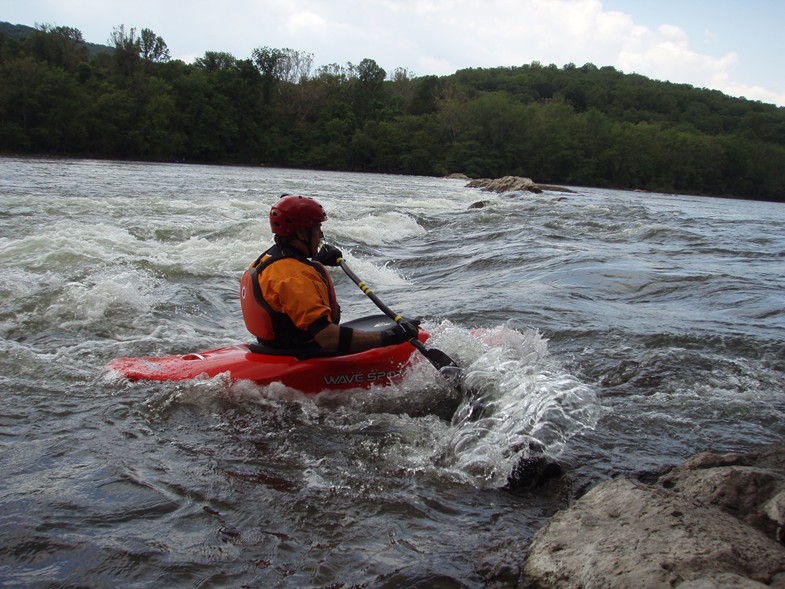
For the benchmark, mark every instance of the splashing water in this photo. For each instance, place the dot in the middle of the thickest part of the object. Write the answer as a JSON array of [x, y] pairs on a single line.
[[518, 403], [515, 403]]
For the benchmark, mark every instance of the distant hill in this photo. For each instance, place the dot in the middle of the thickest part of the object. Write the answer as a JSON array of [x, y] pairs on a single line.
[[16, 32], [19, 32]]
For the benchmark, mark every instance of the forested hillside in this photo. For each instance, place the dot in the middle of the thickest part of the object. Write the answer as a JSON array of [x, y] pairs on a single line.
[[581, 125]]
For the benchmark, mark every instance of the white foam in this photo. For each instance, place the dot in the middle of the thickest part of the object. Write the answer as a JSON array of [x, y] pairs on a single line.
[[125, 292], [373, 274], [377, 230], [518, 399]]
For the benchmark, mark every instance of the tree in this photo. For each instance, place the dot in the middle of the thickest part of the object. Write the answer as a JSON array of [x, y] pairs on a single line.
[[152, 47], [366, 94], [130, 49], [270, 63], [127, 47], [41, 108], [62, 47], [370, 74], [205, 116], [214, 61], [426, 95], [295, 66]]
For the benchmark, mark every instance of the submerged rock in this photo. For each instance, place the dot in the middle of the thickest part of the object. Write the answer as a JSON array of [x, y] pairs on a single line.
[[714, 522], [534, 472]]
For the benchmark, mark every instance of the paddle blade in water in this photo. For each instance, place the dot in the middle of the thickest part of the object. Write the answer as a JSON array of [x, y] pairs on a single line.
[[440, 360]]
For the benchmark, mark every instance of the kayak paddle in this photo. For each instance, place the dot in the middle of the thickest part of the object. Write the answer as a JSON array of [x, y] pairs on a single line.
[[446, 366]]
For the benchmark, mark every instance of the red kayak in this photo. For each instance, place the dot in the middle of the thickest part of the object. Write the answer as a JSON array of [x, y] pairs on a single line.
[[378, 366]]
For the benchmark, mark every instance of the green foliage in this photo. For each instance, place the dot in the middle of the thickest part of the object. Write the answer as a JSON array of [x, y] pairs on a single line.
[[572, 125]]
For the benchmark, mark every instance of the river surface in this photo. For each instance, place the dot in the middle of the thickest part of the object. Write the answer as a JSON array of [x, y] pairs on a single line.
[[612, 332]]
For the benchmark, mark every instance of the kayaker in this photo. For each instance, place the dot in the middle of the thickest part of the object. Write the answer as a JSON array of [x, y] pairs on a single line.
[[287, 296]]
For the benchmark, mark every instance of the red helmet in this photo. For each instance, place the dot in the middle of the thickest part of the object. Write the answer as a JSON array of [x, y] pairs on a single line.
[[294, 212]]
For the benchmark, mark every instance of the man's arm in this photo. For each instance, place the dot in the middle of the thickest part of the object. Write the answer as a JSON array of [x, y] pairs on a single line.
[[344, 340], [328, 339]]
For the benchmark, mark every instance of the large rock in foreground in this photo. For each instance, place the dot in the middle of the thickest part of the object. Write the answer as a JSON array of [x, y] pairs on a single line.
[[714, 522]]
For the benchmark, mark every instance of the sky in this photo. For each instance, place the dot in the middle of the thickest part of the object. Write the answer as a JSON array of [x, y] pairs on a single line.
[[735, 46]]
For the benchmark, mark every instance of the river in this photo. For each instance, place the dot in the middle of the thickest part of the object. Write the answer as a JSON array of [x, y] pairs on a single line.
[[614, 332]]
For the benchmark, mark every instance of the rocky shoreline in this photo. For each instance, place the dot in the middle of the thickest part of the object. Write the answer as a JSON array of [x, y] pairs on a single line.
[[716, 521]]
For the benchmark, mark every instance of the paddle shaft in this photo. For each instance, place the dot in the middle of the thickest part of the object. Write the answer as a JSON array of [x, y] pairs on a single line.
[[439, 359], [366, 289], [372, 295]]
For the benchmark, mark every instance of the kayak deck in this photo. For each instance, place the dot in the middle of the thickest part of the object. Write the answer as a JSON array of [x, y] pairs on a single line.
[[378, 366]]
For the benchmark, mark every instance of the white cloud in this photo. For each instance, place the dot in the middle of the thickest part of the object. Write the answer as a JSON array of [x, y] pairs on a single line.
[[306, 22], [751, 92]]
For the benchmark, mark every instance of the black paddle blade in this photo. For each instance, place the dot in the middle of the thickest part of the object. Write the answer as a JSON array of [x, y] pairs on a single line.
[[439, 359], [436, 357], [447, 367]]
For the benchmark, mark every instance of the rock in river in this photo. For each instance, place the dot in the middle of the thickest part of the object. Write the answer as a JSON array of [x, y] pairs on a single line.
[[714, 522]]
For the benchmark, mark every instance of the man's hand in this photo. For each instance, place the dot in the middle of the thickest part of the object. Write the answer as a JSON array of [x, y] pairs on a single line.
[[328, 255], [405, 330]]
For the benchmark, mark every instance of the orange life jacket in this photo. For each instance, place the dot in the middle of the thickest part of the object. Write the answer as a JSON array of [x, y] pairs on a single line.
[[270, 326]]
